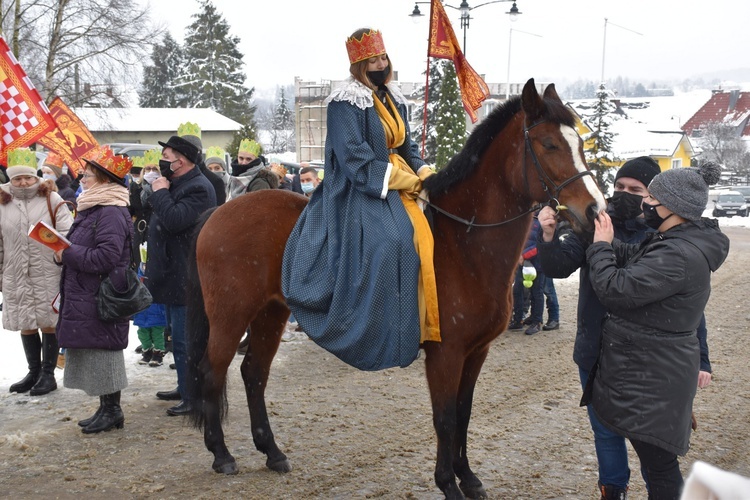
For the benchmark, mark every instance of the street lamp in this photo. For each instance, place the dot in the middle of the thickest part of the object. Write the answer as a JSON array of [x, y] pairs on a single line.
[[465, 11]]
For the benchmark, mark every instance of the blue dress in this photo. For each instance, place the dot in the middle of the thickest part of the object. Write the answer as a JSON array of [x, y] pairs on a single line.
[[350, 270]]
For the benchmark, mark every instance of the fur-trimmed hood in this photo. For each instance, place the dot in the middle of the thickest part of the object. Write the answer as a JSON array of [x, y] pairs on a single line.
[[6, 196]]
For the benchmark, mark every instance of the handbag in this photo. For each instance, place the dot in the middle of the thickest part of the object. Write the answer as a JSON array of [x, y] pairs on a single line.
[[113, 305]]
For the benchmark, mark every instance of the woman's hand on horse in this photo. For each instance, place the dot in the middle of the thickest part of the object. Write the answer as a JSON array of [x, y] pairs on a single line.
[[604, 230], [548, 222], [425, 171]]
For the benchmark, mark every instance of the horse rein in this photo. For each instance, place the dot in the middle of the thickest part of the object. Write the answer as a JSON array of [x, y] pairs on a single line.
[[543, 178]]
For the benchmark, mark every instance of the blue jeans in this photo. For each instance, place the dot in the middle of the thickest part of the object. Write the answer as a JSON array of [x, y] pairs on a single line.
[[611, 452], [176, 320], [553, 307]]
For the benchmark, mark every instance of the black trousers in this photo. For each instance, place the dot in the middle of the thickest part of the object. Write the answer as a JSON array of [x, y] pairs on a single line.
[[661, 470]]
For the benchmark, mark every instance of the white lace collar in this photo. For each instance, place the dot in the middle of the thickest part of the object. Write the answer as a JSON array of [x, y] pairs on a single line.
[[360, 95]]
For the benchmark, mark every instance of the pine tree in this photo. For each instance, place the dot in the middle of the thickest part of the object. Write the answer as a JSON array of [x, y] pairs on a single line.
[[600, 156], [451, 119], [213, 75], [158, 85], [435, 83], [282, 128]]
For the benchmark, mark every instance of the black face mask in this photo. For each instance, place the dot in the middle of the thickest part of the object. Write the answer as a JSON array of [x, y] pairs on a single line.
[[165, 166], [652, 217], [626, 205], [378, 77]]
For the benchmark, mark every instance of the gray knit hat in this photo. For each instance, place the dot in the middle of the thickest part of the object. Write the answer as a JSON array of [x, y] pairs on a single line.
[[684, 191], [217, 160]]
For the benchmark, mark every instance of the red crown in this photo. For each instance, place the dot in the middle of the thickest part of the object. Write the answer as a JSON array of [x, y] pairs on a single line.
[[53, 159], [370, 45], [104, 158]]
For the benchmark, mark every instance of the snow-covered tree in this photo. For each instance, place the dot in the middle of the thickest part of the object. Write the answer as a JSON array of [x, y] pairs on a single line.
[[433, 93], [158, 85], [213, 74], [451, 118], [721, 142], [599, 155], [282, 128]]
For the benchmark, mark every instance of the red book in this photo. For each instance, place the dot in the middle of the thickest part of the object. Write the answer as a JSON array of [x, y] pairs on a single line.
[[48, 236]]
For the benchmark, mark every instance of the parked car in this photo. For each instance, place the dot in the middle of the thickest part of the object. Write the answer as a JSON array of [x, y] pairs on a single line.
[[744, 191], [730, 203], [131, 149]]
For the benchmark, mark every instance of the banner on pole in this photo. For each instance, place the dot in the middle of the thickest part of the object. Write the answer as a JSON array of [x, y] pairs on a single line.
[[71, 139], [444, 45], [24, 117]]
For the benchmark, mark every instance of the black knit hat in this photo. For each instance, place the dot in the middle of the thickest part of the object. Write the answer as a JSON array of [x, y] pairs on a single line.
[[183, 146], [643, 168]]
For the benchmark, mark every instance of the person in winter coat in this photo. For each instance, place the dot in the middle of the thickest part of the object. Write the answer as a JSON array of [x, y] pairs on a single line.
[[179, 197], [53, 170], [249, 172], [100, 246], [29, 277], [655, 293], [369, 295]]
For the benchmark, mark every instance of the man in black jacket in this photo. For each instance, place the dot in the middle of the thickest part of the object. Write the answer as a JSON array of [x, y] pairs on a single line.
[[179, 197]]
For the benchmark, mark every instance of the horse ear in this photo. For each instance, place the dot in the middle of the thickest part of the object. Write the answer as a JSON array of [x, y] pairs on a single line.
[[551, 93], [531, 102]]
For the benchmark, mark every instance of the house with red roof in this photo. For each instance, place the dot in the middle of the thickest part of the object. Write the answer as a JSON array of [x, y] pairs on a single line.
[[730, 108]]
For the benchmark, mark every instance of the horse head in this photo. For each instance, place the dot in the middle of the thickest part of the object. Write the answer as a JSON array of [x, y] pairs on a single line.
[[555, 168]]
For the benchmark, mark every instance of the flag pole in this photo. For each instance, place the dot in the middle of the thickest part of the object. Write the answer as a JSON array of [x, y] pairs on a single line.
[[426, 86]]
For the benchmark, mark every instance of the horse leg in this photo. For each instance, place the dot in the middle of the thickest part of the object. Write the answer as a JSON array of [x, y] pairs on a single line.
[[214, 366], [443, 374], [265, 336], [470, 483]]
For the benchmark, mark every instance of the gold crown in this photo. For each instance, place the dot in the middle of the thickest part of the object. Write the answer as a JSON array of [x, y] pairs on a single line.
[[53, 159], [249, 146], [215, 152], [188, 128], [103, 158], [138, 161], [23, 157], [369, 45], [151, 157]]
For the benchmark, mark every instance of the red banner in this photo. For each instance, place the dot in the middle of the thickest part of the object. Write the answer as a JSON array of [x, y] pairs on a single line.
[[23, 115], [71, 139], [444, 45]]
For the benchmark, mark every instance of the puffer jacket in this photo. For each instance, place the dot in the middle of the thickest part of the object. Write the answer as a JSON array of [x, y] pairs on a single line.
[[656, 292], [100, 247], [29, 277]]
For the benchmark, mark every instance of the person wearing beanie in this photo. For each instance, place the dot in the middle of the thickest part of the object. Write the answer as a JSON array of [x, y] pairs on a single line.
[[217, 165], [177, 202], [27, 295], [561, 253], [655, 293]]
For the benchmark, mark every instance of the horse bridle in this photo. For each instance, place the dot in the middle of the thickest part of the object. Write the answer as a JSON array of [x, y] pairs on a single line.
[[545, 179]]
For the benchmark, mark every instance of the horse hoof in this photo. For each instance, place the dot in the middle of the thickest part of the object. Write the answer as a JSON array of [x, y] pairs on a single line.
[[280, 465], [474, 490], [228, 468], [452, 492]]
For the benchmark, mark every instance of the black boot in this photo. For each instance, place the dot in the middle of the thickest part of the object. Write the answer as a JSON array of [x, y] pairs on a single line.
[[86, 421], [110, 417], [610, 492], [32, 346], [50, 350]]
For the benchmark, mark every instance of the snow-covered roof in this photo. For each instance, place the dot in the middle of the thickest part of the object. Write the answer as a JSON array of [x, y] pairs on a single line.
[[633, 140], [731, 108], [153, 119]]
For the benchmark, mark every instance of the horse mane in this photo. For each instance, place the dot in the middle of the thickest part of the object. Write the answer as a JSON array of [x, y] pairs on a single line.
[[469, 158]]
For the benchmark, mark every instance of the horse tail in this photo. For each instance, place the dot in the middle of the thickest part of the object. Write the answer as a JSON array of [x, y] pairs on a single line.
[[197, 329]]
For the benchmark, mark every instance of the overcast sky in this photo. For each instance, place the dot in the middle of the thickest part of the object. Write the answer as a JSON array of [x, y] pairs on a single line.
[[282, 39]]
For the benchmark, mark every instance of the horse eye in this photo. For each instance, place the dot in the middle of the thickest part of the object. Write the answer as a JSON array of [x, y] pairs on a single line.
[[549, 145]]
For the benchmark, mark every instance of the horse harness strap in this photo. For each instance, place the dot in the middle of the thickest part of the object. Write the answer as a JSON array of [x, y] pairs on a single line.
[[471, 223]]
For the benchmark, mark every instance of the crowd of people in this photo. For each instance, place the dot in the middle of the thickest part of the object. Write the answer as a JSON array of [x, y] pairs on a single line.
[[644, 274]]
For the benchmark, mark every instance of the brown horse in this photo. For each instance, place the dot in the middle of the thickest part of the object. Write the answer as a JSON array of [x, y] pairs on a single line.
[[525, 153]]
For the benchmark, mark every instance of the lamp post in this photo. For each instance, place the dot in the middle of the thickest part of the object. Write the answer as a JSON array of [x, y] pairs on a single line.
[[465, 10], [510, 39]]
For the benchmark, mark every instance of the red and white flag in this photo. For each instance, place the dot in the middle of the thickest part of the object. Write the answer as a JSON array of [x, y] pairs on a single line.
[[24, 117]]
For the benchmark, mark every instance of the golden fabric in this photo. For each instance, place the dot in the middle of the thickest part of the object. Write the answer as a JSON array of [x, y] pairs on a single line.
[[408, 184]]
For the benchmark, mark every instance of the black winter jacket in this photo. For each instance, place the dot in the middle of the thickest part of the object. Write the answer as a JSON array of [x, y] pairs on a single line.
[[655, 292], [175, 214]]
